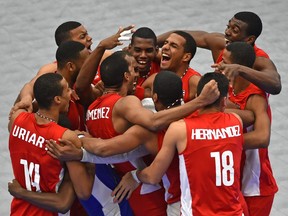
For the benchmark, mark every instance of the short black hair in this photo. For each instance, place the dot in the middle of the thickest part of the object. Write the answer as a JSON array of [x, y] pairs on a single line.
[[242, 53], [254, 23], [168, 87], [62, 33], [146, 33], [190, 45], [112, 69], [222, 82], [46, 87], [68, 51]]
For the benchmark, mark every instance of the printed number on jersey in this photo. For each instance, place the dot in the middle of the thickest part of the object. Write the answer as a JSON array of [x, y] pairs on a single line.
[[30, 171], [224, 170]]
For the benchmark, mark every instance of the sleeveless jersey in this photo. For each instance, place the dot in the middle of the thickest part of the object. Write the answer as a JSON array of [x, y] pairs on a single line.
[[32, 166], [185, 83], [76, 115], [146, 199], [210, 165], [257, 179]]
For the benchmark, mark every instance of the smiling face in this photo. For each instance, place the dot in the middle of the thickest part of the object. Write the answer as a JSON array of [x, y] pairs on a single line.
[[81, 35], [172, 52], [132, 75], [236, 31], [144, 52]]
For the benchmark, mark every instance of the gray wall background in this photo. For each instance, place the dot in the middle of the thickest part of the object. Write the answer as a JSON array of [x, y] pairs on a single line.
[[27, 42]]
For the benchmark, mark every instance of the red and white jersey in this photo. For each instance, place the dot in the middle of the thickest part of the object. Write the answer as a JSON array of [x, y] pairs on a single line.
[[33, 168], [185, 83], [146, 199], [257, 176], [210, 165]]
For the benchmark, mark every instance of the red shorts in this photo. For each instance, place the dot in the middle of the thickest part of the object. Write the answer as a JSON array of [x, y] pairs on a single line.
[[259, 205]]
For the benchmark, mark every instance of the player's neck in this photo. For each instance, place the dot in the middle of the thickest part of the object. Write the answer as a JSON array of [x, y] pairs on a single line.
[[45, 117]]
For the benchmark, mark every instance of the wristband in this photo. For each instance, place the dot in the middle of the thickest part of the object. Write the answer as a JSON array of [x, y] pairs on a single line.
[[134, 175], [80, 136]]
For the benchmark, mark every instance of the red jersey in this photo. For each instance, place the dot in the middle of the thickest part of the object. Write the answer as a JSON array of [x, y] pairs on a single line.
[[155, 68], [185, 83], [32, 166], [259, 53], [257, 179], [171, 179], [210, 165], [76, 115], [146, 199]]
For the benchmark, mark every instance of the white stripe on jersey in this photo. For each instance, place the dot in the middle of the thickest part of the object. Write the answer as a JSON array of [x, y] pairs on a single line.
[[186, 199]]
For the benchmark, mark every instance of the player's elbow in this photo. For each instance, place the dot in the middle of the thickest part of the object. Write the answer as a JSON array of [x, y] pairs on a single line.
[[64, 205], [151, 179], [84, 194], [264, 141], [63, 208]]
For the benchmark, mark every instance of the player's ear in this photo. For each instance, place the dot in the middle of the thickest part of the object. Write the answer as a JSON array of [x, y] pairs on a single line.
[[155, 97], [126, 75]]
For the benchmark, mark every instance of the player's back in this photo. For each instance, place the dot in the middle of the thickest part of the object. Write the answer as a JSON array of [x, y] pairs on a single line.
[[34, 169], [210, 165]]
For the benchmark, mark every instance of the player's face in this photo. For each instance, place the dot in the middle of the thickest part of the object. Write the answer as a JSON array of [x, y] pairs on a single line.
[[227, 57], [236, 31], [65, 97], [81, 35], [172, 52], [79, 62], [144, 51], [133, 75]]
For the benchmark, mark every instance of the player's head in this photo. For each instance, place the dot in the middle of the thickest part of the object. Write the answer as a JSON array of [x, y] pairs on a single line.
[[144, 48], [178, 50], [167, 89], [75, 31], [118, 69], [190, 43], [70, 56], [222, 82], [239, 53], [52, 88], [244, 26], [253, 21]]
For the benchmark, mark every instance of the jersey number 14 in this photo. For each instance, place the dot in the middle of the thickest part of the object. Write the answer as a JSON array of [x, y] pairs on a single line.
[[28, 172]]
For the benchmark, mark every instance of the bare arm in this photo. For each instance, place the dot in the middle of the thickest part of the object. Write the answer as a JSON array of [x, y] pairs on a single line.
[[132, 138], [263, 74], [133, 111], [55, 202], [82, 186], [259, 137], [26, 96], [88, 70], [247, 116]]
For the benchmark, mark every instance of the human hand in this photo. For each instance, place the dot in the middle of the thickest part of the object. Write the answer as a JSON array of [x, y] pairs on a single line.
[[66, 151], [125, 188], [210, 92], [116, 39], [100, 86], [24, 103], [15, 189], [229, 70]]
